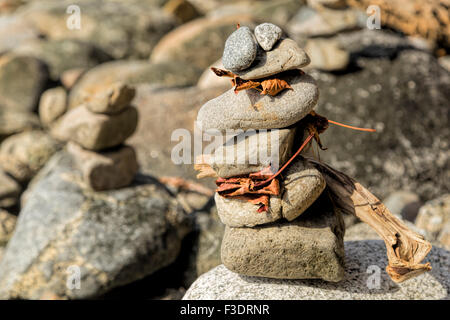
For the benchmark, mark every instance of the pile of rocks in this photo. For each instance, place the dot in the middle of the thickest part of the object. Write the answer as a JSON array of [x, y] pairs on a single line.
[[96, 131], [300, 235]]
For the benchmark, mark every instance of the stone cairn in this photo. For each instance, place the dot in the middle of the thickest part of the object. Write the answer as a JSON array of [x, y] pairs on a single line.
[[95, 132], [291, 231]]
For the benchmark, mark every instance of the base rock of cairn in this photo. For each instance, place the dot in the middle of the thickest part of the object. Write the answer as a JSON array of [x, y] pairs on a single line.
[[95, 132], [300, 235]]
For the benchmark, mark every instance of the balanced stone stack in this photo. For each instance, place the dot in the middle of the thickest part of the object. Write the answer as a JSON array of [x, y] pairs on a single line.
[[95, 132], [300, 235]]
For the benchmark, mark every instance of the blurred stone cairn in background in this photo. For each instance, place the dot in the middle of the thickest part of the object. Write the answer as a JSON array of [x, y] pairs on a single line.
[[91, 89]]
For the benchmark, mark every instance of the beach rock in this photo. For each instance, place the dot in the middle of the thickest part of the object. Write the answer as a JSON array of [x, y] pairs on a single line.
[[7, 225], [15, 31], [251, 151], [327, 53], [267, 34], [445, 62], [364, 261], [63, 54], [183, 10], [199, 42], [444, 236], [240, 213], [286, 55], [309, 247], [12, 122], [112, 99], [434, 215], [24, 154], [22, 80], [71, 76], [109, 239], [52, 105], [250, 110], [95, 131], [125, 31], [9, 191], [302, 185], [132, 72], [310, 22], [240, 50], [403, 203], [107, 170]]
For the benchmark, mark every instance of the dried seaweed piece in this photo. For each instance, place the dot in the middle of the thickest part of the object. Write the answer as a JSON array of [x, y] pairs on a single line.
[[405, 248]]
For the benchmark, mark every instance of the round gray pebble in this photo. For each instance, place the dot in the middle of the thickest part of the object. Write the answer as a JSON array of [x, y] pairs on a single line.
[[240, 50], [267, 34]]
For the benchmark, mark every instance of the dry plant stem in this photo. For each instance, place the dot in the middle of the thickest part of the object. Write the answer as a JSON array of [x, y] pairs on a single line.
[[183, 184], [405, 248]]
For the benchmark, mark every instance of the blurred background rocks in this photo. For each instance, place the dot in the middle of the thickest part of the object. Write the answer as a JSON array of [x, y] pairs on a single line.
[[148, 239]]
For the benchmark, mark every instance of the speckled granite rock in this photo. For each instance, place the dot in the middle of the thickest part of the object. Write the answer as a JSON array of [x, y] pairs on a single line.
[[252, 151], [220, 283], [434, 215], [285, 55], [250, 110], [310, 247], [267, 34], [240, 213], [240, 50], [113, 237]]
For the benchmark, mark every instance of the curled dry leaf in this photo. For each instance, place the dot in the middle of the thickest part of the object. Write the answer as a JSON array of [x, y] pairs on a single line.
[[267, 86], [245, 188]]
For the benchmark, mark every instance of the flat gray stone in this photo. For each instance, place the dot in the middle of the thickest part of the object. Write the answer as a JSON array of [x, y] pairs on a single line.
[[363, 258], [310, 247], [95, 131], [240, 50], [286, 55], [251, 151], [302, 185], [267, 34], [241, 213], [250, 110]]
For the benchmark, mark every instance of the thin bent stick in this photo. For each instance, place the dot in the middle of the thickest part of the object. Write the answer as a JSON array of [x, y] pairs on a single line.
[[405, 248], [287, 163]]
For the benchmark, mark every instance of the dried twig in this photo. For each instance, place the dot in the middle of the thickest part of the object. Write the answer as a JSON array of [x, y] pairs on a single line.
[[184, 184], [405, 248]]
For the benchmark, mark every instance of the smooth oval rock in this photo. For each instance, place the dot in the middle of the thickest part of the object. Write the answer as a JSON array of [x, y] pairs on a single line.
[[310, 247], [302, 185], [267, 34], [24, 154], [286, 55], [112, 99], [253, 151], [95, 131], [52, 105], [240, 50], [250, 110], [241, 213]]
